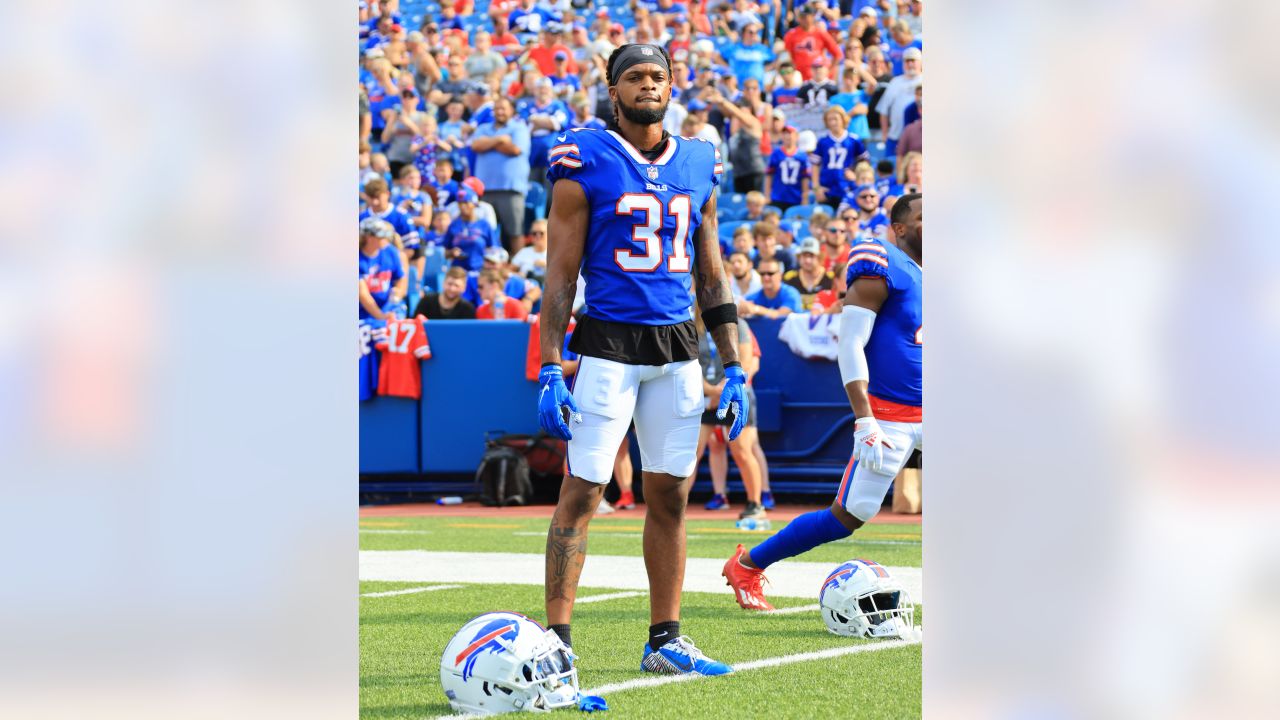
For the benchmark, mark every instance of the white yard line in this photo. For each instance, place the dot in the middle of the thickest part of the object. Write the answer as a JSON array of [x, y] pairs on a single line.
[[789, 579], [410, 591], [529, 533], [609, 596], [790, 610], [752, 665]]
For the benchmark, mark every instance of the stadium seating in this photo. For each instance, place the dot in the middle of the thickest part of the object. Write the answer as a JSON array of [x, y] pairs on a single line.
[[731, 206], [535, 202], [802, 212], [804, 419], [727, 228]]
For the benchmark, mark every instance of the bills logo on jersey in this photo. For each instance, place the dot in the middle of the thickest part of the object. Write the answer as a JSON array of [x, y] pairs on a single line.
[[486, 640]]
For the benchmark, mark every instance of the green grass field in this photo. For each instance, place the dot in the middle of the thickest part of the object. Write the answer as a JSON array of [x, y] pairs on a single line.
[[402, 636]]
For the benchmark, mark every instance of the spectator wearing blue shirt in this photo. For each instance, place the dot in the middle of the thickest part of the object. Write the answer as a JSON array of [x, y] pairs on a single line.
[[382, 279], [748, 58], [787, 182], [901, 38], [443, 183], [872, 221], [502, 164], [582, 117], [564, 82], [853, 100], [378, 199], [835, 153], [528, 20], [468, 236], [886, 182], [789, 85], [547, 118], [384, 97], [774, 300]]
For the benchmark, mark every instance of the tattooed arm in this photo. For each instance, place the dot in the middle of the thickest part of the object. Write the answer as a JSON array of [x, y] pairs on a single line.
[[712, 281], [566, 238]]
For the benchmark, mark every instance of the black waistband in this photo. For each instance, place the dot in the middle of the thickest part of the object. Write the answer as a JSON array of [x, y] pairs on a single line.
[[635, 344]]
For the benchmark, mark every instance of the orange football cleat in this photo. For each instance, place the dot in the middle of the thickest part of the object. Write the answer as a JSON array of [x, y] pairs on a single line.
[[745, 582]]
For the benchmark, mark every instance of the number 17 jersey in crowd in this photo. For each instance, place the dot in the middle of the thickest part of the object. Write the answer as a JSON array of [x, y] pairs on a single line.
[[639, 254]]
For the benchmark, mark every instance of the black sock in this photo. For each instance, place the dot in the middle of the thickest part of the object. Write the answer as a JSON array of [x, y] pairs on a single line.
[[662, 633], [563, 632]]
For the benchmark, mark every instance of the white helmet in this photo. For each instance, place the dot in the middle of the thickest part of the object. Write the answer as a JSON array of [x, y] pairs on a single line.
[[860, 599], [504, 662]]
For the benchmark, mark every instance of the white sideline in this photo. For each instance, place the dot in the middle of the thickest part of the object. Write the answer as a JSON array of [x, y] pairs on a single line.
[[740, 667], [790, 610], [609, 596], [374, 531], [410, 591], [790, 579]]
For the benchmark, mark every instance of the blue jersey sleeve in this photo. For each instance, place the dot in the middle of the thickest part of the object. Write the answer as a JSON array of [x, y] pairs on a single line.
[[567, 160], [868, 259]]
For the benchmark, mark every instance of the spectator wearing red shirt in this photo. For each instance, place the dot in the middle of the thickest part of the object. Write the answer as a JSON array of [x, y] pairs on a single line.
[[808, 41], [497, 306], [504, 41], [544, 53]]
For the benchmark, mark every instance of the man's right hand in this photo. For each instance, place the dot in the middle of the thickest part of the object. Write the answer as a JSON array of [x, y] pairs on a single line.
[[553, 397], [869, 443]]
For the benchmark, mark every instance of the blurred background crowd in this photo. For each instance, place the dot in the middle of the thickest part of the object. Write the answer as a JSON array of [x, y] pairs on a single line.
[[816, 107]]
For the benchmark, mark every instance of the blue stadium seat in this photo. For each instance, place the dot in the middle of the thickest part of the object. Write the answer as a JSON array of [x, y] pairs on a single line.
[[433, 269], [727, 229], [801, 212], [735, 202], [799, 229], [536, 200]]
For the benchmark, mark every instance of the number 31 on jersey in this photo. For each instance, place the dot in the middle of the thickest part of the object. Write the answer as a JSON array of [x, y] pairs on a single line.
[[648, 209]]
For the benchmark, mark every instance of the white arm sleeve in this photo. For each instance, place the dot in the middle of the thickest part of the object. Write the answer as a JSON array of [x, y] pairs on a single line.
[[855, 330]]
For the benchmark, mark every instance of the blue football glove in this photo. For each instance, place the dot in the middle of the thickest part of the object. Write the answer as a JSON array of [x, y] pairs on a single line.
[[734, 394], [552, 400]]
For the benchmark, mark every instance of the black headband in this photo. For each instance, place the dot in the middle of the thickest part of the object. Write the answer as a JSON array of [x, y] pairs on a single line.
[[636, 54]]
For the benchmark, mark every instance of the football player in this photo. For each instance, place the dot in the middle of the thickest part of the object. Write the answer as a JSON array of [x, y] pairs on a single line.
[[635, 210], [880, 355]]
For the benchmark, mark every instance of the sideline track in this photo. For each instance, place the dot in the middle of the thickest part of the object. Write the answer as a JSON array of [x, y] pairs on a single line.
[[787, 579]]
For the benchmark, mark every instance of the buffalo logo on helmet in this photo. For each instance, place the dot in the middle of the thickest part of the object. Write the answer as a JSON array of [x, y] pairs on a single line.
[[486, 640]]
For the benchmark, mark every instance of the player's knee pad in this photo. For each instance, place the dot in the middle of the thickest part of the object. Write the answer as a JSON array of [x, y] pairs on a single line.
[[863, 508]]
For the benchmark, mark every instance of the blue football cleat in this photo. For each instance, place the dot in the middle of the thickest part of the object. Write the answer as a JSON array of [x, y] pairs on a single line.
[[766, 499], [717, 502], [680, 657]]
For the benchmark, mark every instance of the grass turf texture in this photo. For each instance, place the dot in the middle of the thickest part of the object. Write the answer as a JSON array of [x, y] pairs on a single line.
[[402, 637], [887, 544]]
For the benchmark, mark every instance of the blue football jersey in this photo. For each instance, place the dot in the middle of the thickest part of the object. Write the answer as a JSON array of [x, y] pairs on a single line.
[[380, 272], [639, 246], [895, 350], [788, 172], [833, 156], [371, 332]]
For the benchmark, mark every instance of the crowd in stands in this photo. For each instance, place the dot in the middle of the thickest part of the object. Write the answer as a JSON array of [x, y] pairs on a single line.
[[816, 106]]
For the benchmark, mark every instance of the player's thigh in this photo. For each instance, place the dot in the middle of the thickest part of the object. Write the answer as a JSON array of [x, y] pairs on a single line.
[[606, 392], [862, 491], [668, 414]]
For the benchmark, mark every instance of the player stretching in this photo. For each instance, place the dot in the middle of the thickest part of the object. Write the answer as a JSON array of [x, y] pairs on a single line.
[[635, 210], [880, 327]]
